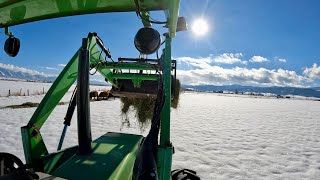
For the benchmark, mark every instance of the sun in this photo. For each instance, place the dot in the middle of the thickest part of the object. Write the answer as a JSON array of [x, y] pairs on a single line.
[[200, 27]]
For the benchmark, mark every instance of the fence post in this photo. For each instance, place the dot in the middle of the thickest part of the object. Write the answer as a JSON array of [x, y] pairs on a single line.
[[9, 93], [28, 92], [42, 90]]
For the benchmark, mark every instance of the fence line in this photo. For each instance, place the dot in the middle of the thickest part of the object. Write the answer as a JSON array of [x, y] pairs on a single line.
[[26, 92]]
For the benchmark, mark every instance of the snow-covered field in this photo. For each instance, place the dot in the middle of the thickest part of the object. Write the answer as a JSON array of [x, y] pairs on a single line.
[[221, 137], [34, 88], [23, 86], [246, 138]]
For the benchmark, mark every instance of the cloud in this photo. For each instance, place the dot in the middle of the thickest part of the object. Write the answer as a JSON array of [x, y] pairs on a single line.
[[62, 65], [204, 72], [228, 58], [258, 59], [51, 68], [313, 72], [282, 60], [196, 62], [24, 70], [217, 75], [205, 62]]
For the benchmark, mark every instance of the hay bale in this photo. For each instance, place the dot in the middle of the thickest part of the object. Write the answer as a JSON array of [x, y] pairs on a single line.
[[143, 107]]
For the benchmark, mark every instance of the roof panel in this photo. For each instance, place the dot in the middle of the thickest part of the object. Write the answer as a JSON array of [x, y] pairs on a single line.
[[13, 12]]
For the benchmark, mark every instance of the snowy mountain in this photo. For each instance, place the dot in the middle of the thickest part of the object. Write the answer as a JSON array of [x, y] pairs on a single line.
[[12, 72], [15, 72], [316, 88], [307, 92]]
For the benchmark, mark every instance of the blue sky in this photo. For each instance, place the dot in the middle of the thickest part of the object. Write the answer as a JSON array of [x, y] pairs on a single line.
[[250, 42]]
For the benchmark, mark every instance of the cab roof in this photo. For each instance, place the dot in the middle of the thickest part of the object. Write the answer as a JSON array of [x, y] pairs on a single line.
[[14, 12]]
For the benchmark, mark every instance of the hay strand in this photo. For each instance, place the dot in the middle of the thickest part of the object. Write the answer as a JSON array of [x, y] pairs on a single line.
[[143, 107]]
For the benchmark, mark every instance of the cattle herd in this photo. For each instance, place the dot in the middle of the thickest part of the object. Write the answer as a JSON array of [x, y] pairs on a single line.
[[104, 95]]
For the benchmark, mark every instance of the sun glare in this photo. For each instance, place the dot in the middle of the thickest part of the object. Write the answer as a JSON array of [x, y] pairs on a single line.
[[199, 27]]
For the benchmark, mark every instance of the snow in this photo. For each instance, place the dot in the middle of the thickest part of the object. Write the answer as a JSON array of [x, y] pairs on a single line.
[[224, 137], [221, 137], [16, 86], [35, 90], [33, 87]]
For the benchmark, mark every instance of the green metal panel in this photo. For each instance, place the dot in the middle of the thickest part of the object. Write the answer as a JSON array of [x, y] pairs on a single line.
[[134, 66], [135, 76], [58, 89], [33, 146], [165, 159], [164, 156], [52, 161], [113, 157], [172, 16], [95, 58], [145, 15], [26, 144], [165, 115], [23, 11]]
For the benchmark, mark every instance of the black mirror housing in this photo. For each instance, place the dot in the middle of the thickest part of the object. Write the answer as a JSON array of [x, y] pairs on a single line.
[[12, 46], [147, 40]]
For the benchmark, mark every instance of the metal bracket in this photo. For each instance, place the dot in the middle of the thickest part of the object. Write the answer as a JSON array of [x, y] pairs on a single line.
[[6, 32]]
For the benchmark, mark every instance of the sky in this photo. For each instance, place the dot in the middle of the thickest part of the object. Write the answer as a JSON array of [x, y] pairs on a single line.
[[251, 42]]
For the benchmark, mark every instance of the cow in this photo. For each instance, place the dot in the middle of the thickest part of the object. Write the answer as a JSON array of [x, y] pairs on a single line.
[[93, 94], [104, 95]]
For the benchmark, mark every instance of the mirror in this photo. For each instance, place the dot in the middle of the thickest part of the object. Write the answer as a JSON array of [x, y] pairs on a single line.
[[12, 46], [181, 24]]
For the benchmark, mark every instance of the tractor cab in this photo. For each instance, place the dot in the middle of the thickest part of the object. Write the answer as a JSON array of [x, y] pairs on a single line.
[[113, 155]]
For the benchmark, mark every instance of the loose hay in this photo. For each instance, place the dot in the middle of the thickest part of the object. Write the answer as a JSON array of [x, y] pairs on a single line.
[[176, 95], [143, 108], [27, 105]]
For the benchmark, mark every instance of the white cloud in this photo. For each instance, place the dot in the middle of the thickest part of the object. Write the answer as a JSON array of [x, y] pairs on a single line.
[[258, 59], [204, 62], [313, 72], [217, 75], [24, 70], [245, 62], [282, 60], [196, 62], [51, 68], [204, 72], [228, 58], [62, 65]]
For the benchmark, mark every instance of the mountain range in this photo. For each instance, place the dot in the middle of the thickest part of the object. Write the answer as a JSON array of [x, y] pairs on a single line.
[[316, 88], [11, 72], [307, 92]]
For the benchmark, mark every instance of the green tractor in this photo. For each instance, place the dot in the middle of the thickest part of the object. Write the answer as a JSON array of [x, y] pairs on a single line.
[[113, 155]]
